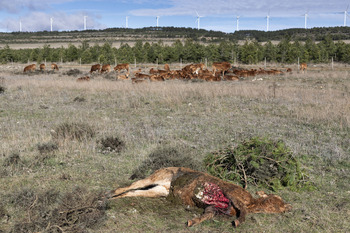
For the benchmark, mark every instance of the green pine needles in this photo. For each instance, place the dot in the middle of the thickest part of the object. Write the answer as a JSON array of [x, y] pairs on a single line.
[[259, 161]]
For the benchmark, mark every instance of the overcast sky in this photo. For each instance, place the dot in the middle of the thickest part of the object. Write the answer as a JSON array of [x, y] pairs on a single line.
[[219, 15]]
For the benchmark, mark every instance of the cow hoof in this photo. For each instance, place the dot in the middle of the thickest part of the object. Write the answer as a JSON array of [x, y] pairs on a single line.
[[189, 223], [235, 223]]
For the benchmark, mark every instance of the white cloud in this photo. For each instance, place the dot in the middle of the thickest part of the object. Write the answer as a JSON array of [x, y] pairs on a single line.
[[252, 8], [14, 6]]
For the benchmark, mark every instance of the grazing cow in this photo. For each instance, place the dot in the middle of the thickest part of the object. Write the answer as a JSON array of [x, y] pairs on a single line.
[[42, 67], [289, 70], [94, 68], [106, 68], [31, 67], [82, 79], [120, 67], [54, 66], [221, 66], [303, 67], [194, 188]]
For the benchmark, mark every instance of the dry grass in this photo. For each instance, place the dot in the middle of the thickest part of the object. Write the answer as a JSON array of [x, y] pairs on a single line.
[[310, 112]]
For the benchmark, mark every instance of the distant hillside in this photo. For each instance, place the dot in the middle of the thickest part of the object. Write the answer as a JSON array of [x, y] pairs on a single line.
[[172, 34]]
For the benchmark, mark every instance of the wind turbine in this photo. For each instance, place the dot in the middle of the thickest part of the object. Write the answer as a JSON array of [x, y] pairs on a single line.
[[157, 21], [51, 21], [306, 15], [346, 15], [85, 22], [20, 26], [198, 19], [267, 21], [126, 21], [238, 23]]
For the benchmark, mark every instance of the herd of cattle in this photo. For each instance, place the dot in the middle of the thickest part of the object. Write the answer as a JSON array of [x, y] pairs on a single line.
[[221, 71]]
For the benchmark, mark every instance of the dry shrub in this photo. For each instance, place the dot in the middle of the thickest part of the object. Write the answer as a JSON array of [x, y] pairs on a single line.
[[2, 89], [111, 144], [73, 131], [79, 210], [73, 72], [12, 160], [110, 76], [79, 99], [76, 211], [47, 148], [166, 156], [3, 212], [258, 161]]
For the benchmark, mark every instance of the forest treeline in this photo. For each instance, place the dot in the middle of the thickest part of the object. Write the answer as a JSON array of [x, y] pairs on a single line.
[[206, 36], [251, 52]]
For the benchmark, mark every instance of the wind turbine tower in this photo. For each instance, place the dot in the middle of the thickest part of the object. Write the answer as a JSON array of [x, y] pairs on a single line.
[[85, 22], [238, 23], [198, 20], [345, 15], [157, 21], [306, 15], [51, 21], [267, 21], [126, 21], [20, 26]]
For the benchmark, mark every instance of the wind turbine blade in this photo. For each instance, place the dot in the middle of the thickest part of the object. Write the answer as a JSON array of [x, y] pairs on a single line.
[[347, 8], [197, 13]]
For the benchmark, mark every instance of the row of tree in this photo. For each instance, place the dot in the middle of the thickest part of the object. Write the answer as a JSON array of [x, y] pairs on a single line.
[[156, 33], [251, 52]]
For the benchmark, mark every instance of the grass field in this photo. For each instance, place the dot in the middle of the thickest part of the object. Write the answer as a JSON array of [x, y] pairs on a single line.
[[43, 173]]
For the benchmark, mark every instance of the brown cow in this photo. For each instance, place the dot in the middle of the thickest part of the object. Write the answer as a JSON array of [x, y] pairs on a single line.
[[42, 67], [166, 67], [136, 81], [106, 68], [54, 66], [303, 67], [81, 79], [194, 188], [123, 77], [231, 78], [221, 66], [94, 68], [31, 67], [120, 67], [155, 78], [143, 76], [193, 68]]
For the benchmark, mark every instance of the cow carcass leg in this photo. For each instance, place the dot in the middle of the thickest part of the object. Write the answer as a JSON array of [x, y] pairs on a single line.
[[209, 213]]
